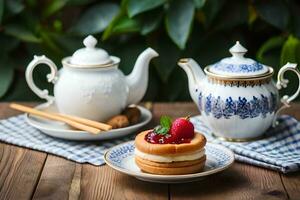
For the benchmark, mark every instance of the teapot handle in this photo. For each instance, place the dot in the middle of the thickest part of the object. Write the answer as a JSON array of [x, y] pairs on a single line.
[[282, 83], [52, 77]]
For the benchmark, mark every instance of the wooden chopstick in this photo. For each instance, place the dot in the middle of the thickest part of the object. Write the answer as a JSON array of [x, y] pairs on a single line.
[[56, 117], [99, 125]]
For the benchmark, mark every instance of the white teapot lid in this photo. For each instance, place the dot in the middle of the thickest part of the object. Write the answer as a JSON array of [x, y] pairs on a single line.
[[237, 65], [90, 55]]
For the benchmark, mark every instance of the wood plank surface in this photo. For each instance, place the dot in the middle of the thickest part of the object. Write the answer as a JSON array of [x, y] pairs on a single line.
[[238, 182], [63, 179], [173, 110], [19, 171], [25, 173], [292, 185], [291, 181], [20, 168], [59, 179], [106, 183]]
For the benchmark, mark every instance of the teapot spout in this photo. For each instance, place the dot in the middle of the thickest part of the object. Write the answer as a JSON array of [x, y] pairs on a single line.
[[195, 76], [137, 80]]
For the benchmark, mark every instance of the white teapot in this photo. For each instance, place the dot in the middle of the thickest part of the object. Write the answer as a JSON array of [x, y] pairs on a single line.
[[236, 96], [90, 85]]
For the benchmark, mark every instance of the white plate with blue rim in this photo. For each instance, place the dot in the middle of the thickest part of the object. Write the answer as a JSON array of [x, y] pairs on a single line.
[[63, 131], [121, 158]]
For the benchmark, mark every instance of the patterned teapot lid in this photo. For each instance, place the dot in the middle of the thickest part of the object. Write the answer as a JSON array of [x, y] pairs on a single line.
[[237, 65], [90, 55]]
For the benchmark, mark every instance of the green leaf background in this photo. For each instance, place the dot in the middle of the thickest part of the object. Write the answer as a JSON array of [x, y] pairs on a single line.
[[95, 19], [179, 20], [136, 6], [201, 29]]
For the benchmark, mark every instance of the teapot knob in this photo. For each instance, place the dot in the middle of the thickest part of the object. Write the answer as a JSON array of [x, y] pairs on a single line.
[[90, 42], [238, 50]]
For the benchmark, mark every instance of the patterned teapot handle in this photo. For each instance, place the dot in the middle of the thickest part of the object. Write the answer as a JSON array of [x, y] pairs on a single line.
[[52, 77], [282, 83]]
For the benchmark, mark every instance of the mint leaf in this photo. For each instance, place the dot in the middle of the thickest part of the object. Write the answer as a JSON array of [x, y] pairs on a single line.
[[161, 130], [165, 125], [166, 122]]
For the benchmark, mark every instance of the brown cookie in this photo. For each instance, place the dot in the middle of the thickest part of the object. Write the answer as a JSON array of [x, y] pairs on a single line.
[[133, 114], [189, 169], [198, 142], [118, 121], [170, 164]]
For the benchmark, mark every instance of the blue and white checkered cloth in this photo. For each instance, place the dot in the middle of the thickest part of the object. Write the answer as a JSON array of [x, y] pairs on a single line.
[[16, 130], [280, 150]]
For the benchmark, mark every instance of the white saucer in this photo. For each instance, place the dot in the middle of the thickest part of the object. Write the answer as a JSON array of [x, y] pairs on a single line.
[[121, 158], [61, 130]]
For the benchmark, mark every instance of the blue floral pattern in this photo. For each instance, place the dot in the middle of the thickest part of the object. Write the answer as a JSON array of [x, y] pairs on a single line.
[[200, 101], [229, 109], [241, 68], [208, 104], [116, 155], [242, 107]]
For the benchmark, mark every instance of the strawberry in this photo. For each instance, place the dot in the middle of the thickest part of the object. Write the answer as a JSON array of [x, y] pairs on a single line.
[[182, 128], [178, 132]]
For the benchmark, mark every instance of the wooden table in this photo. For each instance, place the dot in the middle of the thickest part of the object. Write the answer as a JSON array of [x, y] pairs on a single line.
[[26, 174]]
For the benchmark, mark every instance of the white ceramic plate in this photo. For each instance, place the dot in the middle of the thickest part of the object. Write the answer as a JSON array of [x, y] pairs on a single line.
[[61, 130], [121, 158]]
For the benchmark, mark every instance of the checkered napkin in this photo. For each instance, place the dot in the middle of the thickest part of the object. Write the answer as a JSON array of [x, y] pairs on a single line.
[[16, 130], [279, 151]]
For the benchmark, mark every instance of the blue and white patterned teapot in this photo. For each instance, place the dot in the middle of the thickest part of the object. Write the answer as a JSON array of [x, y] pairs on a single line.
[[237, 97]]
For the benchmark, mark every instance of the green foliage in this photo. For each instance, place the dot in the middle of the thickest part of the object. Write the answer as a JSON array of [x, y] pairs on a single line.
[[290, 51], [20, 32], [6, 75], [179, 20], [53, 7], [270, 44], [96, 19], [275, 13], [199, 3], [136, 6], [150, 21], [202, 29], [1, 9]]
